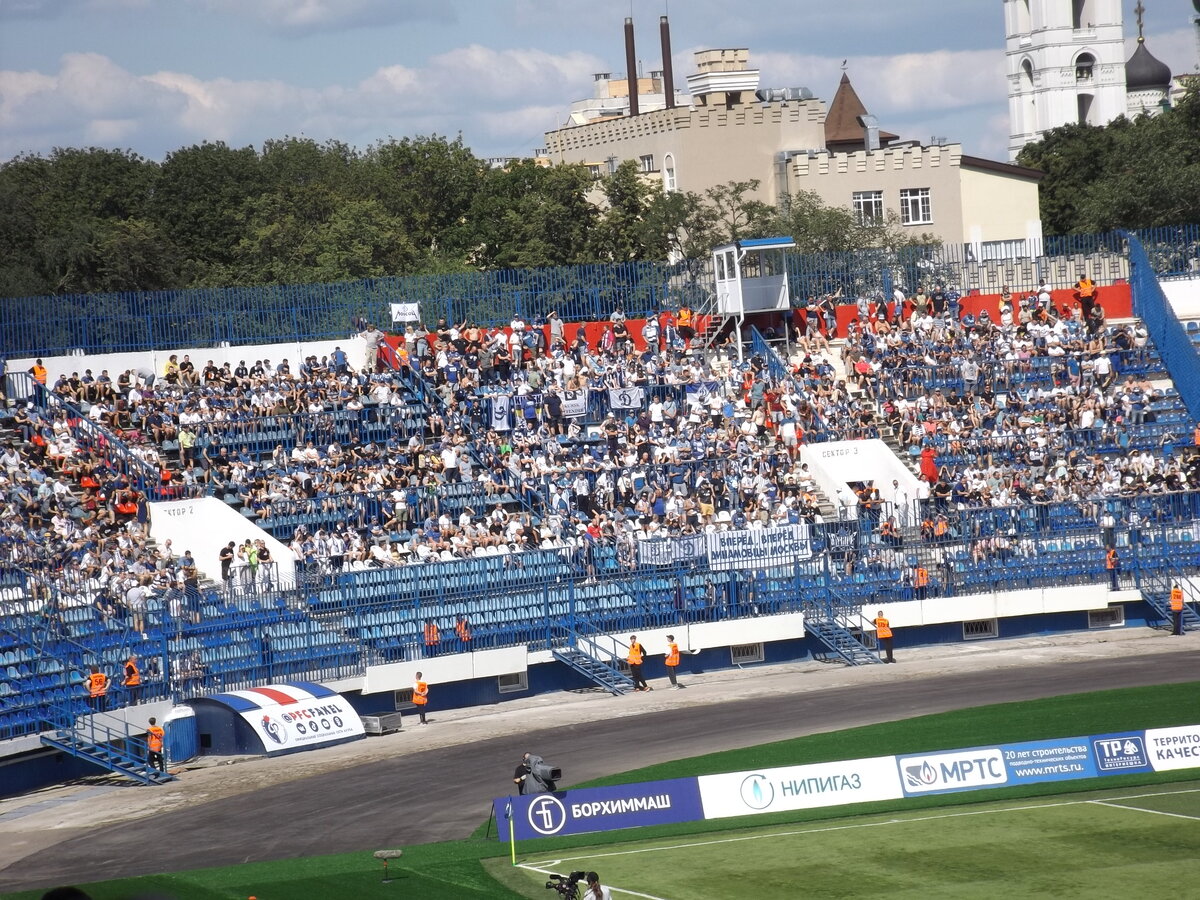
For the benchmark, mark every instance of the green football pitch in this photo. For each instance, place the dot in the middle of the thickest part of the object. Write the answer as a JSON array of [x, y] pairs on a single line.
[[1135, 835], [1117, 843]]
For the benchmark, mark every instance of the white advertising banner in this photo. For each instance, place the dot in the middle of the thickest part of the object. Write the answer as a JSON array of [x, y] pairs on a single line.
[[1174, 748], [406, 312], [800, 787], [955, 771], [295, 716], [758, 548]]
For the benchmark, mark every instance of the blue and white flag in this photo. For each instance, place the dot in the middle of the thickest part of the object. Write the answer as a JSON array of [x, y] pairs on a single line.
[[501, 407], [627, 398]]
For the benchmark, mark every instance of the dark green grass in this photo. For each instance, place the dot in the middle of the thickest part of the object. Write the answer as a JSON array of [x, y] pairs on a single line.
[[453, 869], [1069, 848]]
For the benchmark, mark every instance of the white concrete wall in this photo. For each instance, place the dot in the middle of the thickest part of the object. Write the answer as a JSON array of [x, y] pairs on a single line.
[[1007, 604], [443, 669], [836, 463], [154, 360], [204, 526], [1184, 296]]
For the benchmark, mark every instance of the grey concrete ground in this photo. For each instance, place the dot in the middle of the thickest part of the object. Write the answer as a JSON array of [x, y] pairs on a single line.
[[436, 782]]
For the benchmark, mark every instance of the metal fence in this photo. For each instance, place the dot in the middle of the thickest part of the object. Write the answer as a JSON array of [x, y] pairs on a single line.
[[1179, 354], [213, 317]]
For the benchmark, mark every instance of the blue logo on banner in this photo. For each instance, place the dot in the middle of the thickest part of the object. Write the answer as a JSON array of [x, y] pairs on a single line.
[[1121, 753], [603, 809]]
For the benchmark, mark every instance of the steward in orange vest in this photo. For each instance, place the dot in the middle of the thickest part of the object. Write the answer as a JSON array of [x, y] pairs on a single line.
[[463, 630], [154, 745], [433, 637], [883, 634], [421, 696], [1112, 562], [1177, 609], [672, 660], [97, 687], [133, 679], [637, 654]]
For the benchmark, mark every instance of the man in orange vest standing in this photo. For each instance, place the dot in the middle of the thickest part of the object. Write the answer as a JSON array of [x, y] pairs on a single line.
[[133, 679], [421, 696], [154, 746], [1112, 562], [672, 660], [433, 637], [883, 635], [920, 582], [637, 655], [97, 687], [1177, 609]]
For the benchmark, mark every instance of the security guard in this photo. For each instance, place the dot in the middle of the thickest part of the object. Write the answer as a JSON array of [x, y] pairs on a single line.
[[97, 686], [635, 658], [421, 696], [154, 746], [1177, 609], [133, 679], [1112, 562], [433, 637], [672, 660], [920, 582], [883, 634]]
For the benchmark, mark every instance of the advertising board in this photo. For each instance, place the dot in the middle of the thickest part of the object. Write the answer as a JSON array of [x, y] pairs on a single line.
[[799, 787], [600, 809]]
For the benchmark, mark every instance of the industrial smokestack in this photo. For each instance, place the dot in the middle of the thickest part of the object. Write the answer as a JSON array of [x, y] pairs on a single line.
[[631, 67], [664, 32]]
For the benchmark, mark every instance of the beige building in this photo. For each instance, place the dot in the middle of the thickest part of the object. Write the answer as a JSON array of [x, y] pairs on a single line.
[[731, 130]]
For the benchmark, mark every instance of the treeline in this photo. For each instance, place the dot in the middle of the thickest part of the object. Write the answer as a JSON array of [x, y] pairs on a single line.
[[1140, 173], [297, 211]]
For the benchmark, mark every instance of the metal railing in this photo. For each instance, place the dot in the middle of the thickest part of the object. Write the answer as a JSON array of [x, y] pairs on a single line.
[[214, 317], [1181, 356]]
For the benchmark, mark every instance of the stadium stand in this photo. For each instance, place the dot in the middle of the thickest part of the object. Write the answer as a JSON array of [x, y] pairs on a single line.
[[492, 487]]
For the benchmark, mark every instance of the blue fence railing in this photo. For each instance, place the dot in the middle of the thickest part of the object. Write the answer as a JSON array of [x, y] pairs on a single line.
[[212, 317], [1179, 354]]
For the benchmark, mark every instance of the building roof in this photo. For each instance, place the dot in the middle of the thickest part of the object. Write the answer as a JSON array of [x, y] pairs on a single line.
[[1145, 72], [990, 165], [841, 122]]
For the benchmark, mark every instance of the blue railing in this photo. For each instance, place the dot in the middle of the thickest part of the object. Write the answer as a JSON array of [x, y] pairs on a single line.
[[212, 317], [1181, 356]]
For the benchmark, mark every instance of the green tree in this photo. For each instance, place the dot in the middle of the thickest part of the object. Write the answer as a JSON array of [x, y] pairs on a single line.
[[527, 216], [428, 184], [1074, 157], [623, 231], [200, 204]]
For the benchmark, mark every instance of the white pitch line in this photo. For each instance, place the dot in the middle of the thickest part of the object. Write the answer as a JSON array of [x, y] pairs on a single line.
[[977, 812], [1157, 812], [615, 890]]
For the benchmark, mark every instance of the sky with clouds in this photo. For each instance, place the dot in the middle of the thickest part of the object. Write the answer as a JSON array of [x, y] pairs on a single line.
[[155, 75]]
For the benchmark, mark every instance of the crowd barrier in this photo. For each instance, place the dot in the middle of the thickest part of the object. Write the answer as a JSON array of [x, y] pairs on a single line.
[[845, 782]]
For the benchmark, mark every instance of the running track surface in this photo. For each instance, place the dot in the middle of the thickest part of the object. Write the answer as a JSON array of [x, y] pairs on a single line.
[[445, 794]]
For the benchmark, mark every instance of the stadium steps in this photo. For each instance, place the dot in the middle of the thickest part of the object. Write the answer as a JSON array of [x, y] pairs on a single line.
[[595, 670], [113, 751], [840, 640], [1160, 602]]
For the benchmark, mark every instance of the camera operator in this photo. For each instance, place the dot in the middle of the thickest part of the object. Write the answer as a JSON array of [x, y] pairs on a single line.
[[595, 890], [534, 776]]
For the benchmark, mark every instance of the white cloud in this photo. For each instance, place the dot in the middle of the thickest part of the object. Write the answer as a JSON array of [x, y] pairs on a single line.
[[493, 95], [307, 16]]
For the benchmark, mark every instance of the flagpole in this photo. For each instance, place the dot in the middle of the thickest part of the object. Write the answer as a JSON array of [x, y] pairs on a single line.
[[512, 837]]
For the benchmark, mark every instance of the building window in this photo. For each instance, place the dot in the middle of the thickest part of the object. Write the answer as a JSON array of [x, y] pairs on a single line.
[[647, 162], [914, 206], [594, 169], [868, 207], [1084, 102], [1083, 15], [669, 183]]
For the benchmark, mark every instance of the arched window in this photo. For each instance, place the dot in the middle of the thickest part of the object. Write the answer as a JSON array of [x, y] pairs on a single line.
[[1085, 109], [670, 185], [1085, 63]]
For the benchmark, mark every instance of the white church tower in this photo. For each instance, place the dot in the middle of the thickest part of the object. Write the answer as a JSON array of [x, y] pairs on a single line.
[[1065, 63]]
